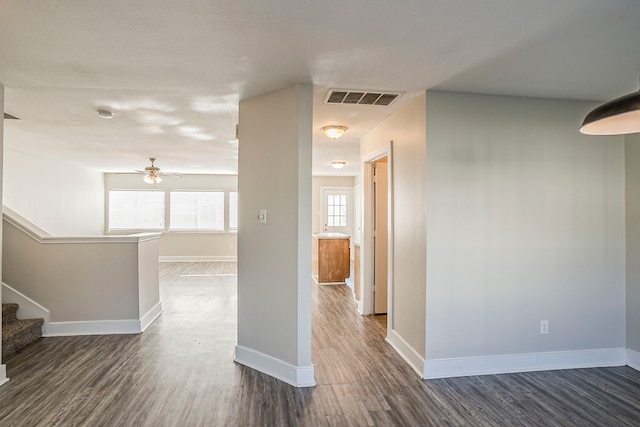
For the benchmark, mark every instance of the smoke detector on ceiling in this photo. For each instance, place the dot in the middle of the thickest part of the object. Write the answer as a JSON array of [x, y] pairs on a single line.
[[361, 97]]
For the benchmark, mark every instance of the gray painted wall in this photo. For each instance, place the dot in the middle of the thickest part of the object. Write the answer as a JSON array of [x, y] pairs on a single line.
[[83, 281], [407, 130], [632, 168], [525, 222], [274, 259]]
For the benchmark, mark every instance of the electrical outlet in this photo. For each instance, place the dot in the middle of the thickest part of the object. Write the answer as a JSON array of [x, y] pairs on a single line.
[[544, 327]]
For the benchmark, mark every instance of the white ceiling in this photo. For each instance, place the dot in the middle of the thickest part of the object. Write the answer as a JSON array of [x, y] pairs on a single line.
[[173, 72]]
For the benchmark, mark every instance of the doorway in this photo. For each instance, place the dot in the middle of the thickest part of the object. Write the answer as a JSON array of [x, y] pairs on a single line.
[[336, 209], [380, 234], [377, 238]]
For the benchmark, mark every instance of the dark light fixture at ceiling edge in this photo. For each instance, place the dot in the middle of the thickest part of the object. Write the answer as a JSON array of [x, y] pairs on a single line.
[[620, 116], [8, 116]]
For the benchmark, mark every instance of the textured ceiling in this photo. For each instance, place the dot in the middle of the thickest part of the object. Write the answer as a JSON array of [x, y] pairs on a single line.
[[173, 72]]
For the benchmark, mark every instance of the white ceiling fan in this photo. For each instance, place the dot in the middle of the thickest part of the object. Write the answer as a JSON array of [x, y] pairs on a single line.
[[153, 175]]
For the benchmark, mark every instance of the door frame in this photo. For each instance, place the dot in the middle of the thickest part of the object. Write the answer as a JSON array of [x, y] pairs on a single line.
[[367, 245]]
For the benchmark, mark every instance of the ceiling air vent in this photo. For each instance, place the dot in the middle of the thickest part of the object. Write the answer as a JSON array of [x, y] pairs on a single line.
[[10, 117], [360, 97]]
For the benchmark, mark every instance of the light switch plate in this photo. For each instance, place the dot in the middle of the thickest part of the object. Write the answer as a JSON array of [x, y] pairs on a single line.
[[262, 216]]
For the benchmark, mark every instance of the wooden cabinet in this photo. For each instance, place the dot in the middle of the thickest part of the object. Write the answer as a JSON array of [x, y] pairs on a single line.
[[331, 258]]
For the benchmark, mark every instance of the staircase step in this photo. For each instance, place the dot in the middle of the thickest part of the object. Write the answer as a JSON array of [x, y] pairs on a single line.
[[20, 333], [9, 312]]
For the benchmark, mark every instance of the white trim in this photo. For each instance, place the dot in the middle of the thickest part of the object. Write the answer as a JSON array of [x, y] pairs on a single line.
[[197, 258], [36, 233], [93, 327], [526, 362], [150, 316], [29, 309], [315, 280], [408, 353], [297, 376], [3, 375], [633, 359]]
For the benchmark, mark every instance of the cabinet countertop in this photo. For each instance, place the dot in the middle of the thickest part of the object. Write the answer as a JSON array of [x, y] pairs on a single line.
[[331, 236]]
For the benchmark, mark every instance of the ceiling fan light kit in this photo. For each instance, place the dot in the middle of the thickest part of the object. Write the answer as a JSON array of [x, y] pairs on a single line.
[[620, 116], [152, 173], [152, 179], [334, 131]]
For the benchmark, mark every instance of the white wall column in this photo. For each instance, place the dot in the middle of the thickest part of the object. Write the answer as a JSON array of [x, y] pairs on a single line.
[[274, 258], [632, 241], [3, 369]]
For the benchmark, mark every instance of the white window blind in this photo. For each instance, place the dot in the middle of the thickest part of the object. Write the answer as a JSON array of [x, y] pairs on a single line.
[[197, 210], [233, 211], [136, 210]]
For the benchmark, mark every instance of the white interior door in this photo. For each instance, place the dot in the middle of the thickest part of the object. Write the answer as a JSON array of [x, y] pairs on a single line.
[[381, 235], [336, 210]]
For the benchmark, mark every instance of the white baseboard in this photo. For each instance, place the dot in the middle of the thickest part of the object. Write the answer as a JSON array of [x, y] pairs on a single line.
[[150, 316], [197, 258], [3, 375], [633, 359], [408, 353], [315, 280], [349, 282], [527, 362], [29, 309], [297, 376], [93, 327]]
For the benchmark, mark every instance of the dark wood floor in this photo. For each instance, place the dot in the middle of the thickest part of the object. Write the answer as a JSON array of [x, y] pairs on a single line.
[[180, 373]]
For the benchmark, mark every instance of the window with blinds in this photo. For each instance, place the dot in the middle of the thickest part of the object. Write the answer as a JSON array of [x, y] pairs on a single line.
[[196, 211], [136, 210]]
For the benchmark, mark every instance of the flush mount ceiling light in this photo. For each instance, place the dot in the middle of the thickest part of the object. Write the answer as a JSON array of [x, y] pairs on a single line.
[[105, 114], [334, 131], [618, 117], [152, 173], [338, 165]]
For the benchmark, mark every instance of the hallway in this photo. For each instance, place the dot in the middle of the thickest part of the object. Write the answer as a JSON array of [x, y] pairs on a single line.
[[180, 372]]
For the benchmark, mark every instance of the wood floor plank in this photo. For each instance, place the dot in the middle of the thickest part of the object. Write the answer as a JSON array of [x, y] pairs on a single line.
[[180, 372]]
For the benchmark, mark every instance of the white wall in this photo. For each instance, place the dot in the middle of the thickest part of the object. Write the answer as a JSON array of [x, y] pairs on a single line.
[[3, 369], [316, 196], [274, 259], [178, 245], [407, 130], [63, 199], [632, 168], [525, 222]]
